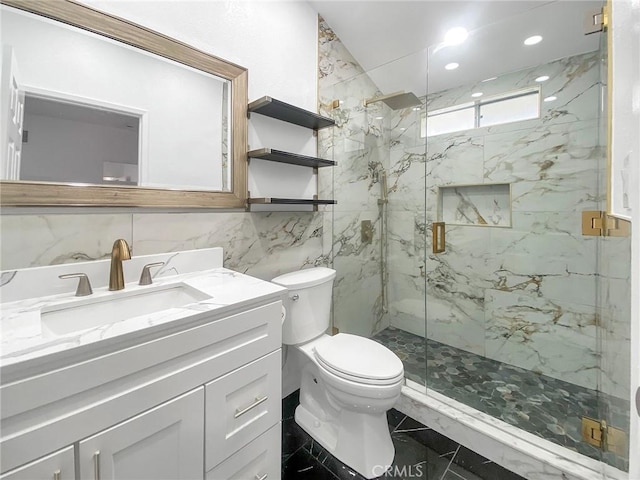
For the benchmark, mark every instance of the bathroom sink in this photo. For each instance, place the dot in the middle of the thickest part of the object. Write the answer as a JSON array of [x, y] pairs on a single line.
[[87, 313]]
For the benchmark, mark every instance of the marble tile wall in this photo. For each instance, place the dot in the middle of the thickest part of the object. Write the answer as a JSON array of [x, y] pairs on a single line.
[[259, 244], [359, 145], [614, 290], [524, 295]]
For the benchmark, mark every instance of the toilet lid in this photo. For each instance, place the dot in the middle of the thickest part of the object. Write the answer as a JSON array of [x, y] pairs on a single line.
[[359, 357], [309, 277]]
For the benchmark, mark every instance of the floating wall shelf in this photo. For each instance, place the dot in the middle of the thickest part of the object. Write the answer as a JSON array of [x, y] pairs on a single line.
[[291, 158], [289, 201], [271, 107]]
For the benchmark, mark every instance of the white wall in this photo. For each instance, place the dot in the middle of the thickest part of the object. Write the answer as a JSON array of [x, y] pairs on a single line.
[[275, 40]]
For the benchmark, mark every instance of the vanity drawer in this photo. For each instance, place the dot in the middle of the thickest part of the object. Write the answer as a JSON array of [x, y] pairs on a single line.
[[240, 406], [260, 459], [58, 465]]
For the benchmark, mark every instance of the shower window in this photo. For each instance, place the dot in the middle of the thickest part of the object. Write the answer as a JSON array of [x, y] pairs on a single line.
[[523, 105], [507, 108], [447, 120]]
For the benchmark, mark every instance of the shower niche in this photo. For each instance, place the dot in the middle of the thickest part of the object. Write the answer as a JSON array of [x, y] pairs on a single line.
[[482, 205]]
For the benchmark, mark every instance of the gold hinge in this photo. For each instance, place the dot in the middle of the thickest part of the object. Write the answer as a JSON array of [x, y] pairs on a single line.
[[596, 20], [599, 224], [603, 436]]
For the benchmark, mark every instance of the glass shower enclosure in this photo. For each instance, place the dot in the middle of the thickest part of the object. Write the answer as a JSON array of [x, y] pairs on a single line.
[[478, 274]]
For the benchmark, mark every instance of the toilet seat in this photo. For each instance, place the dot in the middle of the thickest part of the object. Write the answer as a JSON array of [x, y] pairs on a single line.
[[359, 360]]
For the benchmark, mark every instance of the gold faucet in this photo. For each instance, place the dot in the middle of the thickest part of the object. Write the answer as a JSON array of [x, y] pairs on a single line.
[[120, 252]]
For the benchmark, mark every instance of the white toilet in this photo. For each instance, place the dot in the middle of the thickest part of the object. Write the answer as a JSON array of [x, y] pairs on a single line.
[[350, 382]]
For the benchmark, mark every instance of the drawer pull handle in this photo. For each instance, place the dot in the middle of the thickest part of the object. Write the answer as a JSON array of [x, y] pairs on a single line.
[[56, 475], [258, 401], [96, 465], [258, 477]]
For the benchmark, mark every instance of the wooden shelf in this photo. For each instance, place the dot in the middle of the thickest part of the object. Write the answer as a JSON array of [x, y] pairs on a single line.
[[289, 201], [271, 107], [290, 158]]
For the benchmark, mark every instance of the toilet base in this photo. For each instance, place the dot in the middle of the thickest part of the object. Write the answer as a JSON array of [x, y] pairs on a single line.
[[361, 441]]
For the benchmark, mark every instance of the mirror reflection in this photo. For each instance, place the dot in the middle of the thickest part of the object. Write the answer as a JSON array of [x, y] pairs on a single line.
[[64, 142], [87, 109]]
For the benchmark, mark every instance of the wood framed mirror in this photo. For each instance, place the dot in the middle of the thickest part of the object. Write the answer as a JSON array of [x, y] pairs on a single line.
[[228, 191]]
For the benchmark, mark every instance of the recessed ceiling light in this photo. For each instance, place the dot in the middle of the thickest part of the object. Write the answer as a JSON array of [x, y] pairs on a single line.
[[403, 129], [550, 99], [533, 40], [543, 78], [451, 66], [476, 94], [455, 36], [416, 109], [489, 79], [379, 118]]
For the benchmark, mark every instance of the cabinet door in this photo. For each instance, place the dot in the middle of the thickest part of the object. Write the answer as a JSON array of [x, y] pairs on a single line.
[[57, 466], [164, 443]]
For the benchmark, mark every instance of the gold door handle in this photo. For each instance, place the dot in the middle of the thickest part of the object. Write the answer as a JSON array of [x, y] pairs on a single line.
[[56, 475], [438, 237]]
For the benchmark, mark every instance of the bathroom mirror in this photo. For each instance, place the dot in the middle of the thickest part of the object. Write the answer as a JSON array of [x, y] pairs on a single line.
[[101, 111]]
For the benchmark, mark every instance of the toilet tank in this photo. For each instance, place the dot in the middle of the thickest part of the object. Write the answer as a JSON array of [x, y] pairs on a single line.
[[309, 305]]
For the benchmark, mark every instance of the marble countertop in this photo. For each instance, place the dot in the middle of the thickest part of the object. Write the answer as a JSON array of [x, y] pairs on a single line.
[[23, 339]]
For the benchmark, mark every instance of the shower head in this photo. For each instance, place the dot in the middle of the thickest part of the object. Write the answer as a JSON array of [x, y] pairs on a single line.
[[396, 101]]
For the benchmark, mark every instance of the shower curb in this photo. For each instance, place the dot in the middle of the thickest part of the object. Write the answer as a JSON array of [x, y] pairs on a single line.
[[521, 452]]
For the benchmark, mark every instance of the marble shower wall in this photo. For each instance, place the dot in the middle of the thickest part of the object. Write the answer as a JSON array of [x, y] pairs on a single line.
[[360, 144], [259, 244], [407, 229], [614, 290], [524, 295]]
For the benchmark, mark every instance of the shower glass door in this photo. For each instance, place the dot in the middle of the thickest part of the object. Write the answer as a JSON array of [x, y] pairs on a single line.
[[514, 156]]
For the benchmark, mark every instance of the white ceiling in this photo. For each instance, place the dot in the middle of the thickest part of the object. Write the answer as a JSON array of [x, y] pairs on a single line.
[[390, 38]]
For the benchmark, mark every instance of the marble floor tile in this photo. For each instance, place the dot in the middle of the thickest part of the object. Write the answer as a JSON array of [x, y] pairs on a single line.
[[421, 453], [302, 465]]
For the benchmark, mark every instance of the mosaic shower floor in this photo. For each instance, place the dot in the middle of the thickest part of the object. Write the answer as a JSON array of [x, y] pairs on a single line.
[[544, 406]]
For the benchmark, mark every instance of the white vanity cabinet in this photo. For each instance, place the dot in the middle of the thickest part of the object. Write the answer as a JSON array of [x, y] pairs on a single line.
[[178, 404]]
